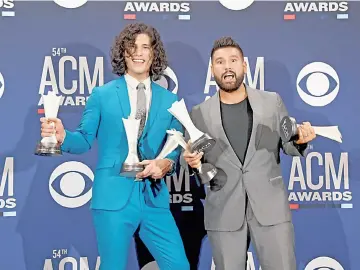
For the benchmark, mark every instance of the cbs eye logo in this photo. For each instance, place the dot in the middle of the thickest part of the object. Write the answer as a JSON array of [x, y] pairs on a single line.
[[2, 85], [318, 78], [67, 184], [236, 5], [324, 263], [169, 80], [70, 3]]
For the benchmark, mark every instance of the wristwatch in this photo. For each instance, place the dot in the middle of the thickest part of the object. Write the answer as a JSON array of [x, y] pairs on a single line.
[[171, 170], [197, 170], [300, 147]]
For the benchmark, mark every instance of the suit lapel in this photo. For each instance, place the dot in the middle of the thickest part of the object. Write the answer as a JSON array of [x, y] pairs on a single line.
[[155, 104], [123, 95], [256, 105], [215, 116]]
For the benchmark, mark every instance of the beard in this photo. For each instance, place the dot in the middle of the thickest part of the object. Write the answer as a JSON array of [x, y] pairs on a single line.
[[229, 87]]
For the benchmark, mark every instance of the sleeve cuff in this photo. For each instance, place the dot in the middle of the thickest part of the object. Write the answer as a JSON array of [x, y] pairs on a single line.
[[63, 139]]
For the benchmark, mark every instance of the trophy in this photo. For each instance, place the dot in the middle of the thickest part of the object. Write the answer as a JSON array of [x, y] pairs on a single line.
[[170, 145], [206, 171], [130, 166], [49, 146], [201, 142], [289, 131]]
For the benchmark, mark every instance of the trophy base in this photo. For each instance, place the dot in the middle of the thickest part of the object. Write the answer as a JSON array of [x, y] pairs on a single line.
[[204, 144], [207, 172], [131, 170], [48, 151], [288, 129]]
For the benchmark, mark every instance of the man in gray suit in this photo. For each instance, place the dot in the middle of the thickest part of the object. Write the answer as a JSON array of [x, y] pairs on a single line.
[[247, 199]]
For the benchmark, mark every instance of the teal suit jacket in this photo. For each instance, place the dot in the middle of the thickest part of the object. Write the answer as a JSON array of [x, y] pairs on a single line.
[[102, 119]]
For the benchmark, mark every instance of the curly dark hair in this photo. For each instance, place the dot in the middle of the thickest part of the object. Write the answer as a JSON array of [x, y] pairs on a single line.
[[126, 40]]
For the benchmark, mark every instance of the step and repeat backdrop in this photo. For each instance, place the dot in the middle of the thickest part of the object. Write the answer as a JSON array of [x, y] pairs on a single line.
[[306, 51]]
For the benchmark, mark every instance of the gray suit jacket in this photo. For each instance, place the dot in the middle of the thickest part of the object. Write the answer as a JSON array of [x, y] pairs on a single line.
[[260, 175]]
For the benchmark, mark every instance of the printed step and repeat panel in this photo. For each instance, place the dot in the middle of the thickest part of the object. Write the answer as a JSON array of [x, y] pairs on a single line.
[[306, 51]]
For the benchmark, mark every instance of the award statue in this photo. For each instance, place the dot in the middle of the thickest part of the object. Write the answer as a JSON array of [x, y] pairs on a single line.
[[289, 131], [130, 166], [201, 142], [170, 145], [49, 146], [206, 171]]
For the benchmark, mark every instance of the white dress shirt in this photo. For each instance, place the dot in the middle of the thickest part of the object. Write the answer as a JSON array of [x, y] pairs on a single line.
[[132, 83]]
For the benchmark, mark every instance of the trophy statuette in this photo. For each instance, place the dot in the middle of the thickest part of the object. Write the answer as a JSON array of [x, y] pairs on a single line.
[[131, 165], [289, 130], [206, 171], [49, 146], [201, 142]]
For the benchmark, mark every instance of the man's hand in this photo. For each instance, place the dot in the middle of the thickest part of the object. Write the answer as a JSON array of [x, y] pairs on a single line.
[[51, 126], [156, 168], [306, 133], [193, 159]]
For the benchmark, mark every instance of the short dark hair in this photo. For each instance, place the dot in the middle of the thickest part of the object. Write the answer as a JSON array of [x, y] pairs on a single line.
[[225, 42], [126, 40]]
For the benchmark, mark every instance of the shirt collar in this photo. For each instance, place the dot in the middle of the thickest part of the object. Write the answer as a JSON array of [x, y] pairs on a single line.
[[133, 83]]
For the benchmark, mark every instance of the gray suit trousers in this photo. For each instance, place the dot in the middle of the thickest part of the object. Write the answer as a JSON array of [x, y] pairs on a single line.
[[274, 245]]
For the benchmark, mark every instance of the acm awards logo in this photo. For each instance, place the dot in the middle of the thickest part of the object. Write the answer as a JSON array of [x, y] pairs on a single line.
[[292, 8], [182, 9], [157, 7], [322, 178], [180, 189], [62, 261], [7, 195], [71, 76]]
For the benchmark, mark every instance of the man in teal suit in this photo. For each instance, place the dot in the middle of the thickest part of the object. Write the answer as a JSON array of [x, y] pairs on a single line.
[[120, 205]]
